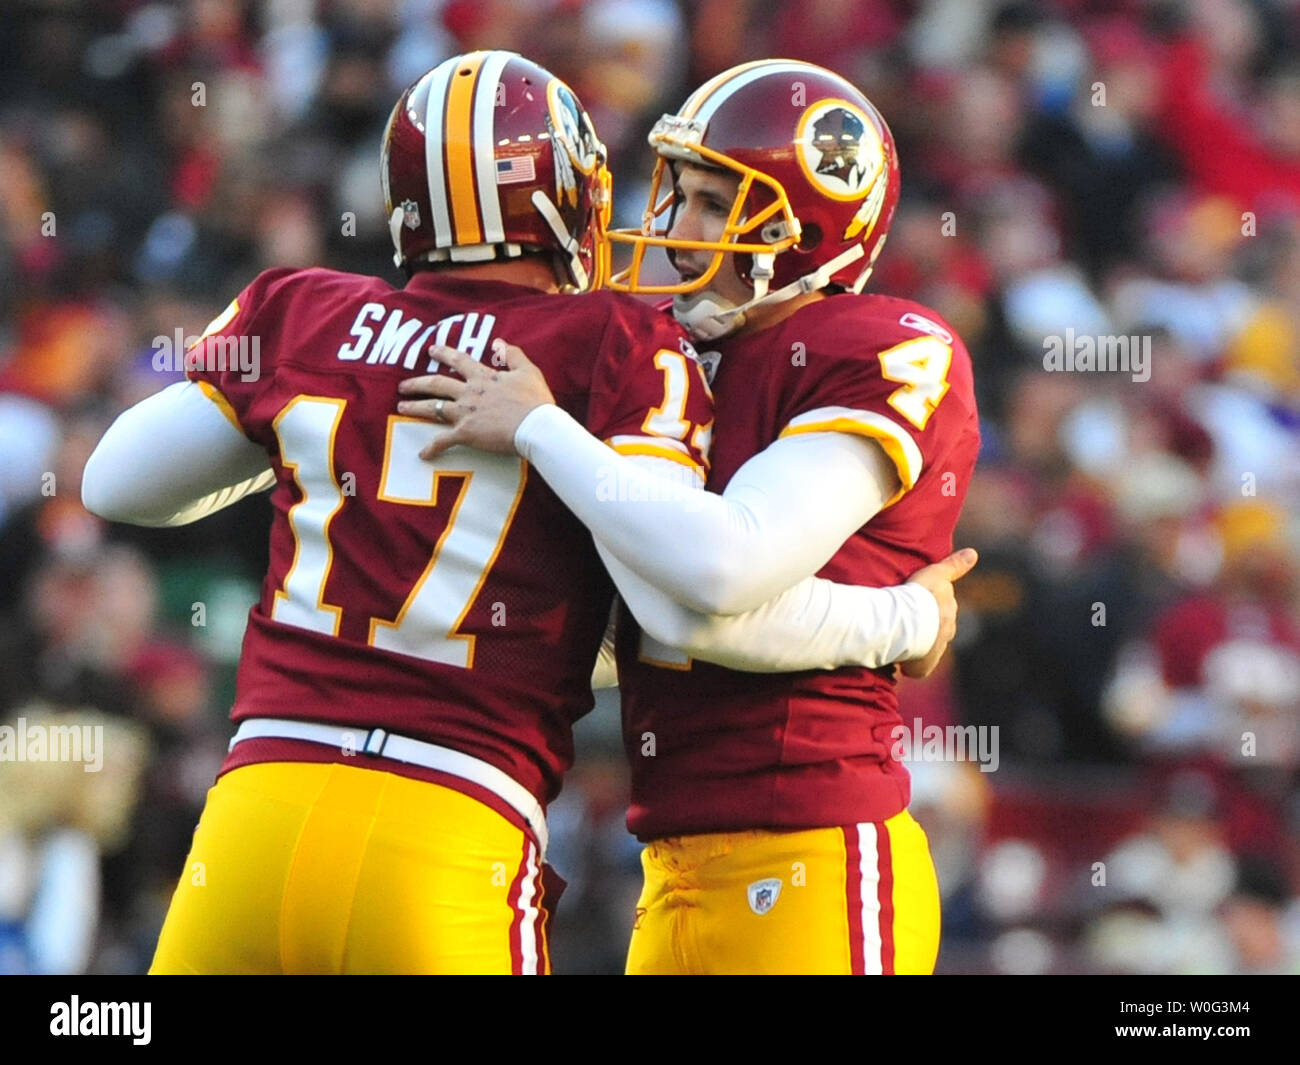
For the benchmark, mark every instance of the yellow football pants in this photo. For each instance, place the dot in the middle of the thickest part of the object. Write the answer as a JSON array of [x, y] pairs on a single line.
[[857, 899], [307, 868]]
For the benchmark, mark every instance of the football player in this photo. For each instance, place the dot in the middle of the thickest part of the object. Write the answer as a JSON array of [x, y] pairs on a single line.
[[426, 633], [774, 807]]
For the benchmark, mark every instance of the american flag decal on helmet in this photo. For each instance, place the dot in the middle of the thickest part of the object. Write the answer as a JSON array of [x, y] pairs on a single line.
[[516, 170]]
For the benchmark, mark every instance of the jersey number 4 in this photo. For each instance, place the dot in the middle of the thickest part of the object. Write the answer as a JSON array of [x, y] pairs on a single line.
[[489, 493], [921, 366]]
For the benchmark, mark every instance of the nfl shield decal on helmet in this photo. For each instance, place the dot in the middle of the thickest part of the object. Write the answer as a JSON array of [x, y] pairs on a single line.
[[763, 895], [410, 214]]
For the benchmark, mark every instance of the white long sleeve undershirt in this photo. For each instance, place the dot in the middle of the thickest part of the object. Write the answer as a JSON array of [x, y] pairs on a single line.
[[175, 458], [783, 514], [172, 459], [813, 624]]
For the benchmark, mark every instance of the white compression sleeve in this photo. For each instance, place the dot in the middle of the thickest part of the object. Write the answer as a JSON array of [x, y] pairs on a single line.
[[171, 459], [815, 624], [783, 515]]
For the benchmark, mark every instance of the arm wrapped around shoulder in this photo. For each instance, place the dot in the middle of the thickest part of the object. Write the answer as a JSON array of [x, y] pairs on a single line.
[[783, 515]]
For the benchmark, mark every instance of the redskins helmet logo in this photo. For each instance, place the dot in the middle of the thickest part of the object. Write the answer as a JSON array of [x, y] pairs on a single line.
[[839, 149], [573, 140]]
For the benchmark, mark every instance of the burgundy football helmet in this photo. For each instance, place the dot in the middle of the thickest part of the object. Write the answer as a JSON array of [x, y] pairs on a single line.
[[818, 184], [488, 156]]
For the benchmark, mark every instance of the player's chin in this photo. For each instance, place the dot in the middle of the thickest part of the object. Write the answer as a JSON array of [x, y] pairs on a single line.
[[688, 270]]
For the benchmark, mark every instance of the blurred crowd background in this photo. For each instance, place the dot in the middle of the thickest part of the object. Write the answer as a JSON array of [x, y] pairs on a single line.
[[1117, 168]]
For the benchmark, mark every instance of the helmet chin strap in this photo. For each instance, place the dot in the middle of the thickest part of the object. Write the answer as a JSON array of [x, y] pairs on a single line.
[[552, 217], [701, 315], [707, 316]]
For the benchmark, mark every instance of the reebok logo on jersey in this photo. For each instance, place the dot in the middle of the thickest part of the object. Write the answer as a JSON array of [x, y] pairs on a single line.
[[918, 321]]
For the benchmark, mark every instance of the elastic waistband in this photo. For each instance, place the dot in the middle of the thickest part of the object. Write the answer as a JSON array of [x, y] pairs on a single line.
[[379, 743]]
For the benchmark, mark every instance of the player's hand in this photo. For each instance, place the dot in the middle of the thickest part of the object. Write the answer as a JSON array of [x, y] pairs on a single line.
[[938, 580], [484, 409]]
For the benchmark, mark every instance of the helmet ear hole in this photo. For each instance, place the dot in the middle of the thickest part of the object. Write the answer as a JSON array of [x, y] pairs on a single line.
[[811, 238]]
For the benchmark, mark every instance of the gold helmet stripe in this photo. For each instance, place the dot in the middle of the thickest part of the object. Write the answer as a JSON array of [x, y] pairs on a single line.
[[460, 149]]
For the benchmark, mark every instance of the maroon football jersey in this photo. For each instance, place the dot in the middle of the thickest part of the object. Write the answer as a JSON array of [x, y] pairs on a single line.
[[457, 602], [712, 749]]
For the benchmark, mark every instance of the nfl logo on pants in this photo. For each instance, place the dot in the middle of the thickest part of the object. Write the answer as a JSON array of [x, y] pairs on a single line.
[[763, 895]]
